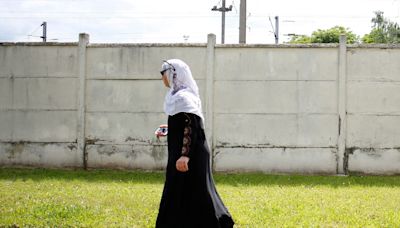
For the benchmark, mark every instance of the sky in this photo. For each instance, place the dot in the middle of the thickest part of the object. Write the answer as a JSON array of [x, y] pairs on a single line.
[[182, 21]]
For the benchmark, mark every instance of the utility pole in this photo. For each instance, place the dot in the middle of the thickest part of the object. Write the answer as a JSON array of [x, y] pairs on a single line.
[[222, 9], [44, 37], [276, 30], [242, 22]]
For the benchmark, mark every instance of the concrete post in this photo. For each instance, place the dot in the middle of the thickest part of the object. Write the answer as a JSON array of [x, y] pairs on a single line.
[[242, 22], [342, 103], [83, 42], [209, 108]]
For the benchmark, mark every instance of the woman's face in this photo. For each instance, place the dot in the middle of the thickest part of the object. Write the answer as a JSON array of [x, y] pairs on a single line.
[[165, 79]]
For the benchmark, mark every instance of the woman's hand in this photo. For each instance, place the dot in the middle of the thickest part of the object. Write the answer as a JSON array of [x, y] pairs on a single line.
[[182, 164]]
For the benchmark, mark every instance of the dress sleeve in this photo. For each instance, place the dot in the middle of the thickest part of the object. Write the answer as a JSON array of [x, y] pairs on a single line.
[[189, 135]]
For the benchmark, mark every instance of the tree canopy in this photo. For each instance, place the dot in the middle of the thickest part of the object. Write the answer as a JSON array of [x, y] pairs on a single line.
[[326, 36], [383, 30]]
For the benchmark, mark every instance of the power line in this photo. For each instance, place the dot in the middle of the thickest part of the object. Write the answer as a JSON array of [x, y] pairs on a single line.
[[106, 17], [135, 14], [31, 34], [151, 14]]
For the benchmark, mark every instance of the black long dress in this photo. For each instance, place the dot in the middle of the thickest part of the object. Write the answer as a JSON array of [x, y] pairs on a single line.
[[189, 198]]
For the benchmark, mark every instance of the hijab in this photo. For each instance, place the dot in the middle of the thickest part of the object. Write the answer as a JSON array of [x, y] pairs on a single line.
[[183, 95]]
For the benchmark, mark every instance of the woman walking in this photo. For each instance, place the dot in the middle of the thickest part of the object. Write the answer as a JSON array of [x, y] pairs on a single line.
[[189, 198]]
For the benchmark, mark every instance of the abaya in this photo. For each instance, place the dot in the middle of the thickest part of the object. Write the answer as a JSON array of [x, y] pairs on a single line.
[[189, 199]]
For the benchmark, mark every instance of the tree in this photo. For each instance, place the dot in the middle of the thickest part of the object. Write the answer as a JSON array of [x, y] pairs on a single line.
[[327, 36], [300, 39], [383, 30]]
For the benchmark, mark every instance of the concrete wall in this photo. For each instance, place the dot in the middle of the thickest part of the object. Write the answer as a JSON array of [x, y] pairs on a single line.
[[125, 103], [38, 87], [276, 109], [373, 109], [288, 108]]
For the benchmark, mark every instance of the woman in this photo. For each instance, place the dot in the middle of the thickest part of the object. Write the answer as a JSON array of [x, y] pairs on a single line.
[[189, 197]]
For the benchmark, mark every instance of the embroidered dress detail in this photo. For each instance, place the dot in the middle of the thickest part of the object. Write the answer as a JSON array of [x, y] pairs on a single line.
[[186, 137]]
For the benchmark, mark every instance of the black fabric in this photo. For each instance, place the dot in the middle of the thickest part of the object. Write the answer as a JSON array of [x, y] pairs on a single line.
[[189, 198]]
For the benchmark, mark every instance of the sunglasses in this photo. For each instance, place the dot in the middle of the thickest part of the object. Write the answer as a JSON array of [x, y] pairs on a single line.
[[171, 67], [163, 71]]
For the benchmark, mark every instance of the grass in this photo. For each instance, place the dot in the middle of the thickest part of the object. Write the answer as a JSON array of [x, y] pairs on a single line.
[[110, 198]]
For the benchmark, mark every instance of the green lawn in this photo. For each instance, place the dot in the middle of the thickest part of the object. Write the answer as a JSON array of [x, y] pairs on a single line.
[[104, 198]]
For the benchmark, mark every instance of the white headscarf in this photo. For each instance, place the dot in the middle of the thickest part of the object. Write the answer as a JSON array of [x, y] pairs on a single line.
[[183, 95]]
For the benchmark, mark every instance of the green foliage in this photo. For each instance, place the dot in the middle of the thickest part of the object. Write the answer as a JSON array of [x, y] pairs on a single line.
[[327, 36], [332, 35], [107, 198], [383, 30], [300, 39]]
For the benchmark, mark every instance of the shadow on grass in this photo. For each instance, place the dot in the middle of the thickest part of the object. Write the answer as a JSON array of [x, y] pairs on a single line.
[[307, 180], [237, 179], [39, 174]]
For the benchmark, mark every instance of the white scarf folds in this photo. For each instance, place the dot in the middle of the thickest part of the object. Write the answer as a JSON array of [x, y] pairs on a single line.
[[183, 95]]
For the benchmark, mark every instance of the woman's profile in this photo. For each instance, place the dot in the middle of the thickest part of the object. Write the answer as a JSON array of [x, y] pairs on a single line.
[[189, 198]]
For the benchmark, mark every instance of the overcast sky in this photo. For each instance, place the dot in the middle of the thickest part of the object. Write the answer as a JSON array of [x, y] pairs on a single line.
[[156, 21]]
